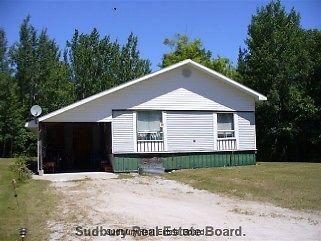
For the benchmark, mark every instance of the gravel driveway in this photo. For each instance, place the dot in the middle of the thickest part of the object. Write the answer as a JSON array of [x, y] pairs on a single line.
[[153, 201]]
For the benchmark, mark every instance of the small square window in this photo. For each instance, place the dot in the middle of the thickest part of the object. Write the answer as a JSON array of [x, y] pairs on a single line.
[[225, 125], [149, 125]]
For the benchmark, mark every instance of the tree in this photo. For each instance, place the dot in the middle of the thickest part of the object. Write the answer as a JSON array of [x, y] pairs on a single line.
[[4, 61], [12, 135], [54, 89], [39, 72], [23, 57], [34, 72], [182, 48], [97, 64], [132, 65], [313, 128], [277, 63], [38, 76], [42, 78]]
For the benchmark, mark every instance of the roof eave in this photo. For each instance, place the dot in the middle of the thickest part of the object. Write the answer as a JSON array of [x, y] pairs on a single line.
[[236, 84], [262, 97]]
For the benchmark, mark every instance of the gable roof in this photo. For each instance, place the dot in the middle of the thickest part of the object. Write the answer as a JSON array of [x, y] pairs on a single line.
[[198, 66]]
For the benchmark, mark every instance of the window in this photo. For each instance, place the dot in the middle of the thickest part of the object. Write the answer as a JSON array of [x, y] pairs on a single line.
[[149, 125], [225, 125]]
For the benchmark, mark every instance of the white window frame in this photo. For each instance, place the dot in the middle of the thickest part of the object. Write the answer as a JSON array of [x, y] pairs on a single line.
[[226, 140], [236, 129], [164, 120], [164, 143], [234, 126], [215, 129], [135, 130]]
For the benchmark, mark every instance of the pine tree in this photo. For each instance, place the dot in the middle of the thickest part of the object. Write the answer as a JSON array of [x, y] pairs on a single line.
[[12, 135], [132, 65], [97, 64], [38, 76], [41, 75]]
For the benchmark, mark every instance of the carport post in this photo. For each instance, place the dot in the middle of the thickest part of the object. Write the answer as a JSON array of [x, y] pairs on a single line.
[[39, 151]]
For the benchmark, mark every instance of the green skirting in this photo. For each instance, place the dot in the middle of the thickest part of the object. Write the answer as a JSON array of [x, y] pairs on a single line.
[[171, 161]]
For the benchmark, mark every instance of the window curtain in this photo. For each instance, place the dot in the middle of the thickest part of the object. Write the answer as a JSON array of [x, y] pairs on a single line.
[[149, 121], [225, 121]]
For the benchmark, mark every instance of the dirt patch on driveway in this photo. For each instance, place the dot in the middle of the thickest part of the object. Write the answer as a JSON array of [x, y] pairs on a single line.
[[152, 201]]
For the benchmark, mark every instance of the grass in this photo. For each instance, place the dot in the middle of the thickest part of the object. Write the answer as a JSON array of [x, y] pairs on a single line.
[[290, 185], [36, 205]]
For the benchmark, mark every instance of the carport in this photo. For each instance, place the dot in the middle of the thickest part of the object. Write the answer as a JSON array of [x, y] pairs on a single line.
[[74, 146]]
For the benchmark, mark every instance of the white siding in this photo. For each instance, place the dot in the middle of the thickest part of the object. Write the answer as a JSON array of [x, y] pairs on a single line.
[[189, 131], [184, 131], [246, 132], [169, 91], [215, 130], [123, 132]]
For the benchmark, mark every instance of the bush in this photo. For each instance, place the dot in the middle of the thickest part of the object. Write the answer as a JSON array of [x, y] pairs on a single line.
[[20, 169]]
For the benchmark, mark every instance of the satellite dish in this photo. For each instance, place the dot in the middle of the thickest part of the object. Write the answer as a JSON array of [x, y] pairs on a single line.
[[36, 110]]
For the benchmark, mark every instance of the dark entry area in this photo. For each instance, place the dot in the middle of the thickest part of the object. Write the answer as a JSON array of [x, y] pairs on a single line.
[[75, 147]]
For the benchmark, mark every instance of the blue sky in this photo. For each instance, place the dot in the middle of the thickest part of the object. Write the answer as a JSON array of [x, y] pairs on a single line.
[[222, 25]]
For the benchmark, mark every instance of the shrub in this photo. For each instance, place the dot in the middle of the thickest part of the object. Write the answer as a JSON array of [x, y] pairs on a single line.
[[20, 169]]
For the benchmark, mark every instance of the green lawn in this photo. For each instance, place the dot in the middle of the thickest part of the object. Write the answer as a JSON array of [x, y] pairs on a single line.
[[290, 185], [36, 201]]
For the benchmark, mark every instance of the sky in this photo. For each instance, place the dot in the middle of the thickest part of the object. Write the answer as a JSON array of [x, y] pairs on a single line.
[[221, 25]]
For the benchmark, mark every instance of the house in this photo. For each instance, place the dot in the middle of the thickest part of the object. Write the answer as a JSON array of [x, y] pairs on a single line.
[[182, 116]]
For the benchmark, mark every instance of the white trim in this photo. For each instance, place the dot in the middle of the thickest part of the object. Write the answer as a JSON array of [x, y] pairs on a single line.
[[254, 130], [236, 129], [181, 151], [255, 94], [215, 130], [135, 130], [164, 120], [226, 138]]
